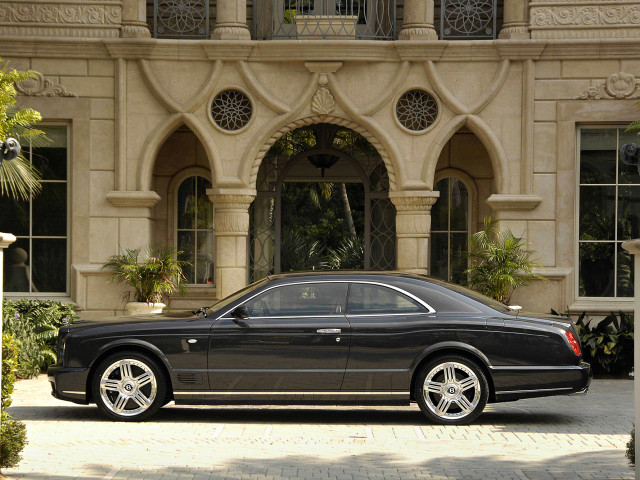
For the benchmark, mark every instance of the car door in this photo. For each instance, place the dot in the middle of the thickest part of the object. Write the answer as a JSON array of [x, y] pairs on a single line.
[[386, 325], [295, 339]]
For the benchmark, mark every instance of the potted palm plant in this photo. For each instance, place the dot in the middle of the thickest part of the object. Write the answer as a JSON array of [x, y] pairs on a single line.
[[158, 274]]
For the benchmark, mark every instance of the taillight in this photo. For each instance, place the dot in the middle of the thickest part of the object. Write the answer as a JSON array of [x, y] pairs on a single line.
[[573, 342]]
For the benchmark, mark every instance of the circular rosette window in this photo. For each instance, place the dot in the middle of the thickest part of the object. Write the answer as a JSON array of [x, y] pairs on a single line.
[[416, 110], [231, 110]]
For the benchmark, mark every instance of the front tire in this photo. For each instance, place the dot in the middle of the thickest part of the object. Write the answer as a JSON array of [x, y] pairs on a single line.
[[451, 390], [129, 386]]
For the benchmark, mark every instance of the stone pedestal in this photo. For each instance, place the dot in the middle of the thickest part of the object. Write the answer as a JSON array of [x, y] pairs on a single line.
[[413, 228], [6, 239], [516, 19], [418, 21], [231, 221], [231, 21], [633, 247], [134, 19]]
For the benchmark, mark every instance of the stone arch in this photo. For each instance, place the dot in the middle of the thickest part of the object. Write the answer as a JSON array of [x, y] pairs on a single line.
[[488, 139], [303, 122], [159, 135]]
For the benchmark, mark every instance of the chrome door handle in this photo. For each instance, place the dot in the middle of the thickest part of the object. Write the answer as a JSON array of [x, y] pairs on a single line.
[[329, 330]]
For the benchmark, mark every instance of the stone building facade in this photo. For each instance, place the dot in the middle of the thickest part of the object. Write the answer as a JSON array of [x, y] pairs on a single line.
[[164, 116]]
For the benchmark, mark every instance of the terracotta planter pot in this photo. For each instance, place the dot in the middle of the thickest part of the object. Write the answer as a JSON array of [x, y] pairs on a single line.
[[143, 308]]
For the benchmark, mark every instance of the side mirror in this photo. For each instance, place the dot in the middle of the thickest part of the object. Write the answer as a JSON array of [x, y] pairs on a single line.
[[241, 312]]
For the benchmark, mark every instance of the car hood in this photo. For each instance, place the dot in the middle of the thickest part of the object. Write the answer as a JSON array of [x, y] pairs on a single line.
[[147, 320]]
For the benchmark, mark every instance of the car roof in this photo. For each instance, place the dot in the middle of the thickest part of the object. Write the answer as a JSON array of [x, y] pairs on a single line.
[[349, 275]]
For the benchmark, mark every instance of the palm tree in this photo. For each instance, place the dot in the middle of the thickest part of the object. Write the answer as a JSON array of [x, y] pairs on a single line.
[[18, 178]]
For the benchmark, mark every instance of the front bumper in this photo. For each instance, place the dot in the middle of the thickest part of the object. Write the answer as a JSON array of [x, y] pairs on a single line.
[[69, 384]]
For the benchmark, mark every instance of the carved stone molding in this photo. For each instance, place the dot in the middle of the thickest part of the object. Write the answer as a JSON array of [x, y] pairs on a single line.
[[573, 19], [513, 202], [425, 32], [231, 32], [232, 211], [323, 102], [91, 18], [619, 85], [413, 213], [133, 198], [39, 86]]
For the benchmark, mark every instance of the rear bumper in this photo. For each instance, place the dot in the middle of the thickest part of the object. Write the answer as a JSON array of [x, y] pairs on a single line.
[[69, 384], [513, 383]]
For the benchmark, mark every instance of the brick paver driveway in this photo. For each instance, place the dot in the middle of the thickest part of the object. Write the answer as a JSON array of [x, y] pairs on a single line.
[[551, 438]]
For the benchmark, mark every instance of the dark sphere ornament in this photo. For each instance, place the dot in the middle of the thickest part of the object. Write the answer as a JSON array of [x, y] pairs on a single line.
[[630, 154], [9, 149]]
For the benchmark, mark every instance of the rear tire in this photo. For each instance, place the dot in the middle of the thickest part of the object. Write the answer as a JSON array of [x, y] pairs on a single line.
[[129, 387], [451, 390]]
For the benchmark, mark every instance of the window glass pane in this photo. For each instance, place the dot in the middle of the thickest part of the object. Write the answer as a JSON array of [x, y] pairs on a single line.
[[205, 207], [440, 209], [459, 205], [298, 300], [187, 247], [205, 258], [50, 210], [16, 267], [628, 173], [597, 213], [49, 259], [186, 203], [374, 299], [625, 273], [439, 255], [443, 300], [50, 156], [458, 260], [14, 216], [598, 155], [628, 213], [597, 269]]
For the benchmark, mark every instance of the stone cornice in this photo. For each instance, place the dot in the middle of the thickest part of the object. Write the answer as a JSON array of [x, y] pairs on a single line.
[[505, 201], [319, 50], [133, 198]]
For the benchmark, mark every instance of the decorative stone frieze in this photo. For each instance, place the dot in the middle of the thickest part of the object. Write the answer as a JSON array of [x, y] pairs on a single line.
[[39, 86], [323, 102], [579, 19], [616, 86], [91, 18]]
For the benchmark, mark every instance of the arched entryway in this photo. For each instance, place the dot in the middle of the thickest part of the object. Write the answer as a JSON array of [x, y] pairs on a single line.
[[322, 202]]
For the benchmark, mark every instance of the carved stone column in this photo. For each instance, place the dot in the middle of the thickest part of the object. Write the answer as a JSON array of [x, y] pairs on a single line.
[[134, 19], [231, 21], [418, 21], [516, 19], [231, 221], [413, 229]]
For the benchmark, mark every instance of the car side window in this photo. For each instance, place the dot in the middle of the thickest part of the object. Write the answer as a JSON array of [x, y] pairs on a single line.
[[300, 300], [375, 299]]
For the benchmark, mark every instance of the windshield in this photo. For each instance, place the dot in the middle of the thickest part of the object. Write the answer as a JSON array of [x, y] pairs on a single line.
[[489, 302], [235, 296]]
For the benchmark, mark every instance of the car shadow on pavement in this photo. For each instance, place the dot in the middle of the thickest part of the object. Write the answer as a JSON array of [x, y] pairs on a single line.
[[504, 419], [608, 464]]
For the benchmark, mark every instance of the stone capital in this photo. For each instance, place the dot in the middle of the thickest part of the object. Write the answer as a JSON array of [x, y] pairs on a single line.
[[6, 239], [632, 246], [231, 199], [413, 202]]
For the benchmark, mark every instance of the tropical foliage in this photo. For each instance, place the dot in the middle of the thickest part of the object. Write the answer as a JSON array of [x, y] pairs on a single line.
[[18, 178], [13, 435], [631, 447], [500, 262], [34, 324], [151, 276]]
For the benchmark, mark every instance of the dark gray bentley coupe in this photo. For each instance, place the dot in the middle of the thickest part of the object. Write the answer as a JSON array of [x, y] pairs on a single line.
[[324, 338]]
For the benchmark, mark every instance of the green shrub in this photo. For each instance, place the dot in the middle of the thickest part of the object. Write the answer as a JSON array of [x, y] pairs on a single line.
[[34, 324], [12, 432], [608, 345], [631, 447]]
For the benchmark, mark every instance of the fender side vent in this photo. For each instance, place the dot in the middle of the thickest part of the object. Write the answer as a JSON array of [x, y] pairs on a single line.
[[190, 378]]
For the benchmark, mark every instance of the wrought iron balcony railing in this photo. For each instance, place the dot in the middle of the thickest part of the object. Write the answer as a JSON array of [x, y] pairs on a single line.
[[468, 19], [325, 19], [181, 18]]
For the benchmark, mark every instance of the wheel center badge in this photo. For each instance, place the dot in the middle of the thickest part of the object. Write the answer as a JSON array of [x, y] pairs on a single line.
[[128, 388], [452, 390]]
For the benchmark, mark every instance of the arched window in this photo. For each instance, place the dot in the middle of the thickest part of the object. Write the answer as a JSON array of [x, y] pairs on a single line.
[[195, 238], [450, 230]]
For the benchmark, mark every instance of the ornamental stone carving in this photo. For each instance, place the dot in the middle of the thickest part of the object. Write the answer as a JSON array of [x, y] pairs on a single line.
[[573, 19], [617, 86], [75, 19], [39, 86], [323, 102], [232, 213]]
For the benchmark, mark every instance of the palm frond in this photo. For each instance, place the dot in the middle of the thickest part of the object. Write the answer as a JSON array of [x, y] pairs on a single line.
[[19, 179]]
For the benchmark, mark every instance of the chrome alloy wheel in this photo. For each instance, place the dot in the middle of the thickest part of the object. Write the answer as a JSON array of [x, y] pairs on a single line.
[[128, 387], [451, 390]]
